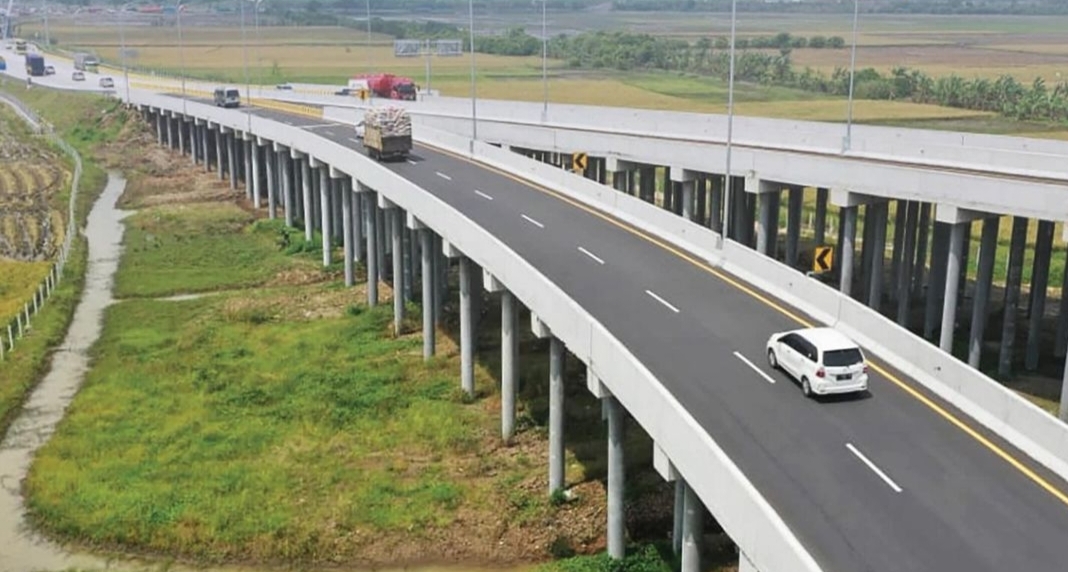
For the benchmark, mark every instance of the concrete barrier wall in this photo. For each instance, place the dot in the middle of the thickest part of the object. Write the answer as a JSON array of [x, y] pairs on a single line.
[[1029, 428], [744, 514], [968, 191]]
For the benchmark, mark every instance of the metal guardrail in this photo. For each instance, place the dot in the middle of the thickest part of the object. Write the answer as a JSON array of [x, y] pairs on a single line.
[[283, 106], [17, 328]]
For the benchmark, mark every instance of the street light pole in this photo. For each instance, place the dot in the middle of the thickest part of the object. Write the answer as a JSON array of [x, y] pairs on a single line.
[[369, 65], [848, 143], [730, 128], [244, 54], [181, 49], [122, 46], [544, 61], [474, 95]]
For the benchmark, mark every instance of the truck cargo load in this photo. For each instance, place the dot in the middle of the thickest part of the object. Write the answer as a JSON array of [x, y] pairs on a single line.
[[35, 65], [387, 132]]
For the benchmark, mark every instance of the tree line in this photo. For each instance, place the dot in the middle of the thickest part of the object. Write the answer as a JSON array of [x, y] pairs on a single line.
[[774, 66]]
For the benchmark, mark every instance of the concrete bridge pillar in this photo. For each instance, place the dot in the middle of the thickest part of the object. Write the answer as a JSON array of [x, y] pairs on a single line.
[[919, 267], [160, 135], [426, 240], [848, 203], [335, 208], [181, 134], [1060, 347], [988, 246], [647, 184], [1039, 286], [685, 181], [270, 157], [306, 196], [620, 171], [358, 220], [936, 282], [220, 152], [441, 273], [616, 478], [904, 277], [878, 214], [467, 329], [231, 156], [820, 220], [715, 199], [556, 403], [248, 151], [395, 215], [408, 247], [194, 141], [370, 201], [346, 222], [701, 198], [288, 202], [794, 207], [380, 241], [692, 529], [768, 225], [257, 172], [900, 222], [509, 353], [326, 218], [959, 223], [205, 145], [1012, 293]]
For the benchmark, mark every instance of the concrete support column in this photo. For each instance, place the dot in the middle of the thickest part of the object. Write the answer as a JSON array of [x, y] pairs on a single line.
[[509, 362], [335, 209], [616, 534], [231, 157], [556, 415], [1039, 285], [768, 234], [220, 153], [324, 198], [159, 129], [678, 516], [795, 204], [194, 142], [409, 264], [1012, 294], [867, 238], [919, 268], [398, 271], [692, 531], [346, 222], [820, 222], [426, 240], [949, 304], [687, 198], [936, 282], [715, 215], [467, 331], [306, 192], [358, 220], [881, 212], [619, 181], [287, 187], [1062, 414], [988, 246], [257, 180], [249, 147], [370, 206], [900, 218], [441, 273], [181, 135], [271, 159], [1060, 347], [904, 278], [848, 248], [647, 184], [205, 146], [380, 241]]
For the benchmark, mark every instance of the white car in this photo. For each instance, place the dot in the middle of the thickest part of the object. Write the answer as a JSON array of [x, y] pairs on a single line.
[[823, 360], [107, 82], [359, 129], [78, 76]]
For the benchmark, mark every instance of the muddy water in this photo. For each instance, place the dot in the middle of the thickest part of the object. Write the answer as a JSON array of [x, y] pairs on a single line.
[[20, 549]]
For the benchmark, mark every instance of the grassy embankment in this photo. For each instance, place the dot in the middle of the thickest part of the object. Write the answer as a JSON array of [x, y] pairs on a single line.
[[278, 421], [79, 120]]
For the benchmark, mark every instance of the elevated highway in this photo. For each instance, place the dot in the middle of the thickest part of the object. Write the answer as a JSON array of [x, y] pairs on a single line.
[[672, 323]]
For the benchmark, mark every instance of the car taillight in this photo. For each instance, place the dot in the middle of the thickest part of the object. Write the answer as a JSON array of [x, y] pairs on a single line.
[[865, 368], [820, 372]]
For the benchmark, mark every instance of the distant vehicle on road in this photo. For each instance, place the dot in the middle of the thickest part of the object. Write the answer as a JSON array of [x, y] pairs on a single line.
[[386, 85], [86, 62], [49, 70], [107, 82], [77, 76], [823, 360], [387, 133], [20, 47], [227, 97], [3, 64], [343, 91], [284, 87], [35, 65]]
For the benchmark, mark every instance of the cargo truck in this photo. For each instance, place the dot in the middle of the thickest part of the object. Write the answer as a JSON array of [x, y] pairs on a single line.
[[387, 133], [35, 65], [86, 62], [386, 86]]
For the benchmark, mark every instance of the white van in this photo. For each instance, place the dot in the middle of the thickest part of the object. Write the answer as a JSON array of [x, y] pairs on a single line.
[[227, 97]]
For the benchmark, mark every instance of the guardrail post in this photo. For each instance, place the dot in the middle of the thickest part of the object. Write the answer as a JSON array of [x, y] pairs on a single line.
[[11, 337]]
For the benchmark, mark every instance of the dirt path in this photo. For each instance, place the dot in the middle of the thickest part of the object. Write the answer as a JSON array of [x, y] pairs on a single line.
[[20, 549]]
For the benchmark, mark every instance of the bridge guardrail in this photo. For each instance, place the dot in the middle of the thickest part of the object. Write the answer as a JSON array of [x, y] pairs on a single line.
[[741, 510], [1021, 423], [15, 329]]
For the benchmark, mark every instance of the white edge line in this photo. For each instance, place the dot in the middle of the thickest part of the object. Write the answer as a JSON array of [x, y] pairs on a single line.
[[483, 195], [596, 258], [444, 176], [354, 140], [754, 367], [662, 301], [532, 221], [872, 466]]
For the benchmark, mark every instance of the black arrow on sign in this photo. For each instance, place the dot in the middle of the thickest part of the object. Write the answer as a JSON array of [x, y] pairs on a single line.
[[821, 259]]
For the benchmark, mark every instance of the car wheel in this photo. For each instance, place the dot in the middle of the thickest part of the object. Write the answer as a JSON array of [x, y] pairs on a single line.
[[772, 360], [806, 387]]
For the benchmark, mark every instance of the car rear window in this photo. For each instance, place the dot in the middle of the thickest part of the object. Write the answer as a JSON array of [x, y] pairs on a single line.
[[233, 93], [842, 358]]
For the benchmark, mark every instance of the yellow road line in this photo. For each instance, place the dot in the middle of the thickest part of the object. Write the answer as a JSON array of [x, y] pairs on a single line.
[[1030, 474]]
